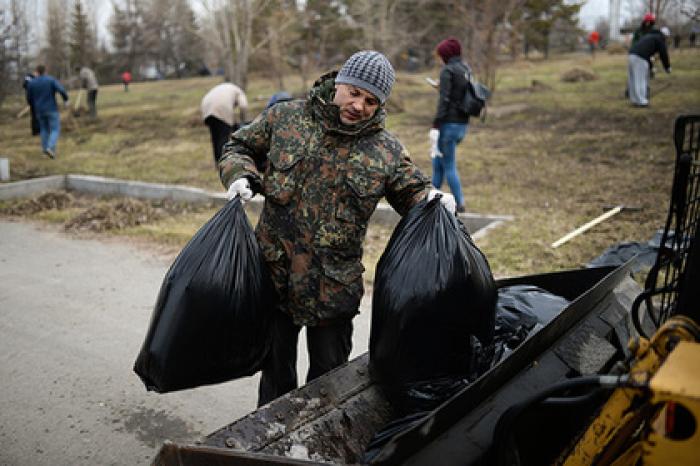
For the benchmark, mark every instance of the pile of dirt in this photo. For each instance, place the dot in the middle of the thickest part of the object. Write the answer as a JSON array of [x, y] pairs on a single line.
[[54, 200], [114, 216], [100, 214], [577, 74]]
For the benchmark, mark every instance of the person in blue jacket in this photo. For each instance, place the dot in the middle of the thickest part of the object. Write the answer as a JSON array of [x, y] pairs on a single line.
[[41, 93]]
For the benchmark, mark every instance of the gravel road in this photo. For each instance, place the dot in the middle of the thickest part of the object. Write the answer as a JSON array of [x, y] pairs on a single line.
[[73, 315]]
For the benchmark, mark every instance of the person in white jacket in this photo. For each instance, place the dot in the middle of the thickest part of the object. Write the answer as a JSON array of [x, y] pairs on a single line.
[[218, 112]]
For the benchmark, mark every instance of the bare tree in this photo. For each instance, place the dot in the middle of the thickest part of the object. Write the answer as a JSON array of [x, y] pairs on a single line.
[[393, 26], [5, 54], [232, 21], [490, 26], [19, 34], [14, 40], [659, 8], [689, 9]]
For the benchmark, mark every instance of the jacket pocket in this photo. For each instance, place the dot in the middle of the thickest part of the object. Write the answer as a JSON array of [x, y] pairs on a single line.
[[362, 195], [282, 177], [340, 288]]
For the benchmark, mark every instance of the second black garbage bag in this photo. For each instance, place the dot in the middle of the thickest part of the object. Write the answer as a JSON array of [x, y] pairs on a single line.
[[211, 320], [433, 289]]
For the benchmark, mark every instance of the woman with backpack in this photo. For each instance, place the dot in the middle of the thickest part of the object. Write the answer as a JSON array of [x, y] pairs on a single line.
[[451, 120]]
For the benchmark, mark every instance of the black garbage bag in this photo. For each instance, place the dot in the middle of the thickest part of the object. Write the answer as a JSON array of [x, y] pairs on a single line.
[[645, 253], [433, 289], [388, 432], [521, 311], [211, 320]]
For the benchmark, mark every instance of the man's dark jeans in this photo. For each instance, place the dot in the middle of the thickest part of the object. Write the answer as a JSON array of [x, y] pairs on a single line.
[[329, 346]]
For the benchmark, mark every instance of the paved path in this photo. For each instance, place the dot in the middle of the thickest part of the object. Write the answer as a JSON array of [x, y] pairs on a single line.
[[73, 315]]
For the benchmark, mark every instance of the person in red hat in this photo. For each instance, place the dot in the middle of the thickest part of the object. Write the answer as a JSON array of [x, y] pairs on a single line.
[[451, 121], [648, 22]]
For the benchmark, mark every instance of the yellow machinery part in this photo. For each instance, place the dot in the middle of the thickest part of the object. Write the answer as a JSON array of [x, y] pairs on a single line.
[[677, 382], [607, 439]]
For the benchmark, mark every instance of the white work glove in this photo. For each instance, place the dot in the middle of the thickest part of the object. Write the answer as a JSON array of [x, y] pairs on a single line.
[[433, 136], [240, 187], [668, 70], [446, 199]]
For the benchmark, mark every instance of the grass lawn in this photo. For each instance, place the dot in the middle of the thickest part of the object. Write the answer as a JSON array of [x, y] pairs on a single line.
[[552, 154]]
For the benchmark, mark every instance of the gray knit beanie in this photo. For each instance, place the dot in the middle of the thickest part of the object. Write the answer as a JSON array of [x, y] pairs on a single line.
[[370, 71]]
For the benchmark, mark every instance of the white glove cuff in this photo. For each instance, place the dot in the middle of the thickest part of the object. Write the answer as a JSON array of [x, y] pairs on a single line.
[[240, 187]]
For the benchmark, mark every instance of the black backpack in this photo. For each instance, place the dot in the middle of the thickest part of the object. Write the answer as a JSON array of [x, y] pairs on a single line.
[[475, 96]]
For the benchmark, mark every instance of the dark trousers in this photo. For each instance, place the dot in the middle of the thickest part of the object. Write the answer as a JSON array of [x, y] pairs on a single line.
[[329, 346], [220, 132], [92, 102]]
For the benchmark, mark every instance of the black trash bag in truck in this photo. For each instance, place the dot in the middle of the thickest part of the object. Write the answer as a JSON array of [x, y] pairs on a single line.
[[521, 311], [433, 288], [211, 320]]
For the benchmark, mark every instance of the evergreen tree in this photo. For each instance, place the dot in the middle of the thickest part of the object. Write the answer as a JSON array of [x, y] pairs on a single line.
[[82, 38], [540, 16], [127, 28], [171, 37], [55, 52]]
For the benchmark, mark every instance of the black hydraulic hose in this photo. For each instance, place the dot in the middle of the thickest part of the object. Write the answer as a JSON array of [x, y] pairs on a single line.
[[504, 448], [573, 400], [635, 312]]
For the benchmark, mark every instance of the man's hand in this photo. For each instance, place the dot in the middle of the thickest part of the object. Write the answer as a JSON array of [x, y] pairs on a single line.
[[433, 136], [668, 70], [66, 105], [446, 199], [240, 187]]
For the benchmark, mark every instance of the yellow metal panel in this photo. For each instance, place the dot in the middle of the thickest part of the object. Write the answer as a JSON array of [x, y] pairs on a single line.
[[680, 374], [677, 380], [603, 441]]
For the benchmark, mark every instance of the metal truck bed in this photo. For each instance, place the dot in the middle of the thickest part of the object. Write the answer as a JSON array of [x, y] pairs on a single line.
[[333, 418]]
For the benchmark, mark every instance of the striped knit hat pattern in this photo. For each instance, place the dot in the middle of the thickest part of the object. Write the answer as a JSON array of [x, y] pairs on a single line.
[[369, 70]]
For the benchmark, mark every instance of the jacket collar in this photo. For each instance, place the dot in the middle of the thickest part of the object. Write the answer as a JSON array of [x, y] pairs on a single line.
[[320, 103]]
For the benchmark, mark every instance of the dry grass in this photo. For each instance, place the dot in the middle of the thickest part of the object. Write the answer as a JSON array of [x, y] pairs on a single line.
[[552, 154]]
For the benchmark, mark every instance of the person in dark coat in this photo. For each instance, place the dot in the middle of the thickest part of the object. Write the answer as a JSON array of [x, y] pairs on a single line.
[[639, 64], [451, 122], [647, 25], [41, 92]]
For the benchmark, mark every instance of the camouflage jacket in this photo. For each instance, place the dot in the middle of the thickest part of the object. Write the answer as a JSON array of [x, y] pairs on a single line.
[[322, 181]]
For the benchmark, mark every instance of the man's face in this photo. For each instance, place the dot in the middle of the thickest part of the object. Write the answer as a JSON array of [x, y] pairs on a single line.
[[356, 104]]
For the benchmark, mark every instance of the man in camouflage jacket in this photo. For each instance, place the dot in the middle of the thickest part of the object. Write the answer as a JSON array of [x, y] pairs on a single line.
[[323, 165]]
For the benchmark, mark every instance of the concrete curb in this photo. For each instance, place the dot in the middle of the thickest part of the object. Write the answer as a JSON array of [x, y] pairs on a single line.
[[478, 225], [31, 187]]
